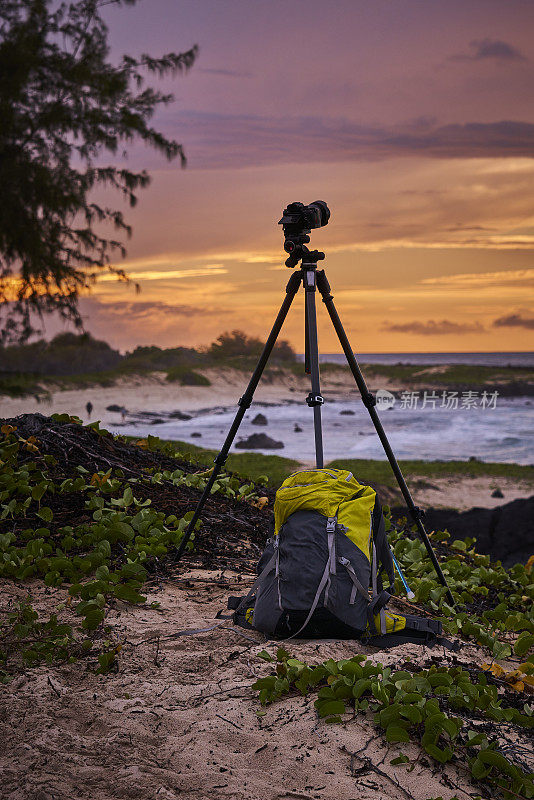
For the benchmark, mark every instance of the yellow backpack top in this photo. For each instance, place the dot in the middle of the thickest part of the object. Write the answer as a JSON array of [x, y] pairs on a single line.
[[334, 493]]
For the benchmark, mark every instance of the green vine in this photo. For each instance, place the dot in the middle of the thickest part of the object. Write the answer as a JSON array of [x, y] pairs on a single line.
[[26, 641], [411, 706], [108, 554], [492, 604]]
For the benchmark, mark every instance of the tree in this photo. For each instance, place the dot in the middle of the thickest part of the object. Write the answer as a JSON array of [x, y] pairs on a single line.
[[66, 354], [63, 106], [238, 344]]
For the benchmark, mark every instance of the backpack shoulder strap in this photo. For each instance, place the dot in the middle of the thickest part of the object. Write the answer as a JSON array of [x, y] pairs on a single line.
[[237, 603]]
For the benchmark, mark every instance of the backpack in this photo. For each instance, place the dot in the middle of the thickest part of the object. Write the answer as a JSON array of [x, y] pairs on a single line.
[[320, 574]]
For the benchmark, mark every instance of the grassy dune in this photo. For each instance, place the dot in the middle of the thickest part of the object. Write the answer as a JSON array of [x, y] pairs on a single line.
[[276, 468], [380, 471], [462, 374], [507, 380]]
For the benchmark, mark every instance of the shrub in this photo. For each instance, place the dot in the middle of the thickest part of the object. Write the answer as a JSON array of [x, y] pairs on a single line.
[[187, 377]]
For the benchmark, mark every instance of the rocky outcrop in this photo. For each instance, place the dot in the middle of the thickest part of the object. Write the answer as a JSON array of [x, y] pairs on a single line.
[[506, 533], [179, 415], [259, 441]]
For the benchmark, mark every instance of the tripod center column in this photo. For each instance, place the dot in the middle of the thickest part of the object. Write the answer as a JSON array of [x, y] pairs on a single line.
[[315, 398]]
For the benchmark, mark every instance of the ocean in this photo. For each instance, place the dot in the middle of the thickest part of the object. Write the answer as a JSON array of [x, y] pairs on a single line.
[[525, 359], [503, 434]]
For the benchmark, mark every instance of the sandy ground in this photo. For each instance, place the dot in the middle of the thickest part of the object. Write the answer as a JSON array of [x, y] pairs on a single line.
[[464, 493], [179, 719]]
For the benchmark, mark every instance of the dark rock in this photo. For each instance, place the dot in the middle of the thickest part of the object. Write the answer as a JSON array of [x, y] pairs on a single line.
[[196, 435], [114, 407], [497, 493], [156, 421], [259, 419], [259, 441], [347, 412], [297, 428], [179, 415], [506, 533]]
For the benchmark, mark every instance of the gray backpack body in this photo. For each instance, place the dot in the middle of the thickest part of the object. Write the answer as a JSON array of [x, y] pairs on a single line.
[[320, 573], [307, 572]]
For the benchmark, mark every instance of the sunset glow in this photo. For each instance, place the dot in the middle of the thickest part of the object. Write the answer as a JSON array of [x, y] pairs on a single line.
[[413, 120]]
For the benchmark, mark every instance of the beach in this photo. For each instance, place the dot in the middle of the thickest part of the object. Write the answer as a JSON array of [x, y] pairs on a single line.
[[176, 712], [153, 406]]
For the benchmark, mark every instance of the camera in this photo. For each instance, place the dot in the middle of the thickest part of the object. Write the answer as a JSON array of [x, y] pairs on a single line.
[[298, 220], [298, 217]]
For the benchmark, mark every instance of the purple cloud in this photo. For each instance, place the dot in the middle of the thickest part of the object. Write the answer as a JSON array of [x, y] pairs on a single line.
[[225, 73], [490, 49], [224, 140], [434, 327], [514, 321]]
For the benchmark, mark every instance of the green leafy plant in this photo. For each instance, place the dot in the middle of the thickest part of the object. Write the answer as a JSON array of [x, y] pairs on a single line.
[[492, 605], [119, 535], [186, 376], [26, 641], [425, 706]]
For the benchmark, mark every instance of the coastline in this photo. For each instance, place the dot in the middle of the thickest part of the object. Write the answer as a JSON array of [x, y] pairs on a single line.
[[153, 391], [225, 384], [152, 394], [120, 684]]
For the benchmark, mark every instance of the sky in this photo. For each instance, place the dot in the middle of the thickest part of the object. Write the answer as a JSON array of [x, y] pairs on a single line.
[[412, 119]]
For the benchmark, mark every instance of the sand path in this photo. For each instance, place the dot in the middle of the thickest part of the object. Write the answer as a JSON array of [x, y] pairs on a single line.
[[179, 719]]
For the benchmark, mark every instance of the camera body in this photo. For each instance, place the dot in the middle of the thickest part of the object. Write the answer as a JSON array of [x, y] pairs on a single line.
[[298, 217], [298, 220]]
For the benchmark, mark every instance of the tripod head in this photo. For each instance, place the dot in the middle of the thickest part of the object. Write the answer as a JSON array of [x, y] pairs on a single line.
[[298, 221]]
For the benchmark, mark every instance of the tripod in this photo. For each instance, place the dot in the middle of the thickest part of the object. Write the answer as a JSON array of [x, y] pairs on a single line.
[[312, 280]]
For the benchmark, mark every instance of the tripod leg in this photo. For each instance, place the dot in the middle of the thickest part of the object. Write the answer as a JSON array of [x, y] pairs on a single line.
[[307, 368], [244, 403], [314, 399], [370, 402]]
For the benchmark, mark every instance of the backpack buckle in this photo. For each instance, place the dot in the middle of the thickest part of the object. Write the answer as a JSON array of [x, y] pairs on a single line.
[[331, 524]]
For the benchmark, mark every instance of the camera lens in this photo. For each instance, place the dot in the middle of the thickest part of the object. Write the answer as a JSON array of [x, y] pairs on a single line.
[[324, 211]]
